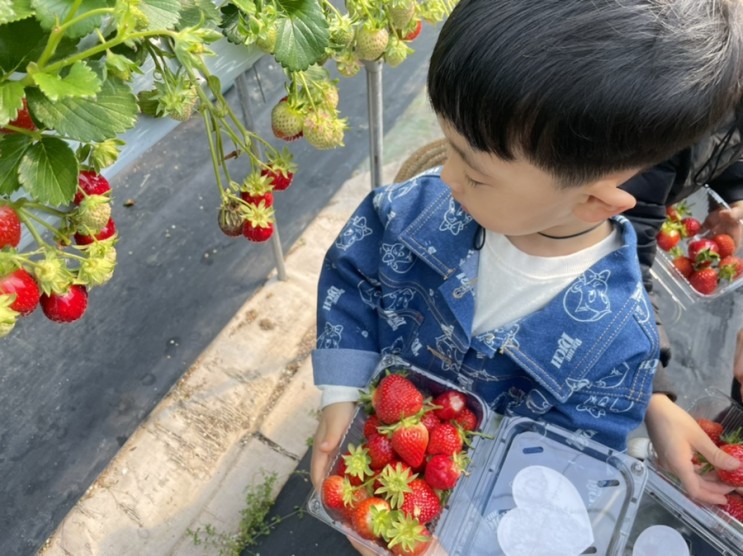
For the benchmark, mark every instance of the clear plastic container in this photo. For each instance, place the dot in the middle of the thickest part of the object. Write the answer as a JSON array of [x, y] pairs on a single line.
[[597, 488], [709, 523], [700, 204]]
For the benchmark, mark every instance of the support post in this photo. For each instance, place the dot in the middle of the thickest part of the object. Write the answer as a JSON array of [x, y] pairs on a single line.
[[376, 124]]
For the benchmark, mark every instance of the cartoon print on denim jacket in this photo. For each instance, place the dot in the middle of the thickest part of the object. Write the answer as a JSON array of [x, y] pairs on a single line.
[[598, 406], [642, 312], [354, 230], [587, 299], [330, 337], [614, 378], [451, 356], [537, 403], [370, 294], [500, 337], [455, 219], [397, 257]]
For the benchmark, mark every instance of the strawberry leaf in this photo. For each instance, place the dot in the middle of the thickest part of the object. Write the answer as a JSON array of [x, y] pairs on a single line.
[[161, 14], [302, 34], [111, 112], [49, 11], [233, 24], [81, 81], [12, 149], [19, 42], [14, 10], [48, 171], [11, 100], [193, 10]]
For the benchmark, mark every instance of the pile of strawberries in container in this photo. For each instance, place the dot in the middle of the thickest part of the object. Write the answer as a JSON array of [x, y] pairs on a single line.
[[391, 486], [705, 260]]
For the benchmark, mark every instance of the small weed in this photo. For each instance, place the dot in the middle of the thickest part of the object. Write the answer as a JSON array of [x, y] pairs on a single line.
[[253, 522]]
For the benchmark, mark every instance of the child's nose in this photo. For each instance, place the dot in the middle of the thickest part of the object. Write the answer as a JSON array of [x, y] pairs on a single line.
[[451, 177]]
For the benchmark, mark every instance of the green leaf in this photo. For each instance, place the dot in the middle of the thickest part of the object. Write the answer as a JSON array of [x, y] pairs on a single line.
[[161, 14], [11, 100], [48, 171], [192, 12], [81, 81], [111, 112], [14, 10], [20, 42], [49, 11], [233, 25], [12, 149], [302, 34]]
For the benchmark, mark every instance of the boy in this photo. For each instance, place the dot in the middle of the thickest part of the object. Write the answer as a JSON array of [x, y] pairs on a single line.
[[548, 106]]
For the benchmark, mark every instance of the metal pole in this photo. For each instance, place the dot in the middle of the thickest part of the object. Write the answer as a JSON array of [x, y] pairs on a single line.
[[376, 124], [243, 96]]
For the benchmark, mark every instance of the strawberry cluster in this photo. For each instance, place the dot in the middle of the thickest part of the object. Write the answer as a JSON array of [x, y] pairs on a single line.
[[56, 276], [730, 442], [704, 262], [391, 487]]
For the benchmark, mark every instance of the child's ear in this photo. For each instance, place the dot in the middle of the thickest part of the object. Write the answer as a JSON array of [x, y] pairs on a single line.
[[603, 201]]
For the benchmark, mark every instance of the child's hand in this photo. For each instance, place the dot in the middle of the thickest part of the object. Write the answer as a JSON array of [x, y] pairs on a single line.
[[676, 436], [334, 421]]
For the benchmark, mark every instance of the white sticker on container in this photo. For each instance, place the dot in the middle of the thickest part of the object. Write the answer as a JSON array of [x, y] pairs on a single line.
[[550, 517], [660, 539]]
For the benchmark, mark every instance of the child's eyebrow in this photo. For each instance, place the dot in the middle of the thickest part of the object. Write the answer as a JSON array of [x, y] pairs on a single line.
[[468, 159]]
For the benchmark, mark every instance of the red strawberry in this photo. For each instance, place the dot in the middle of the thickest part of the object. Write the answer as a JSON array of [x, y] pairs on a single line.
[[109, 230], [704, 280], [668, 237], [422, 503], [734, 506], [22, 119], [443, 472], [735, 477], [380, 451], [395, 398], [684, 266], [466, 419], [412, 35], [725, 245], [90, 183], [703, 252], [415, 547], [257, 233], [265, 198], [368, 516], [281, 180], [370, 426], [343, 471], [409, 442], [22, 284], [10, 227], [451, 403], [65, 307], [445, 439], [713, 429], [731, 268], [333, 490], [691, 226], [430, 421]]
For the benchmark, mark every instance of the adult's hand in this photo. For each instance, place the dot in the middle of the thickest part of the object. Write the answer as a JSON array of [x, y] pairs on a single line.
[[727, 221], [334, 421], [676, 437]]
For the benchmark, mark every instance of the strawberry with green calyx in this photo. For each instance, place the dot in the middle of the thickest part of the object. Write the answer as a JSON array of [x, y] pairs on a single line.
[[176, 95], [10, 227], [52, 274], [93, 213], [677, 212], [394, 398], [725, 245], [22, 120], [348, 64], [414, 31], [324, 130], [371, 41], [107, 232], [230, 218], [8, 315], [337, 492], [371, 517], [400, 12], [341, 470], [257, 188], [341, 30], [446, 439], [703, 252], [704, 280], [690, 226], [422, 502], [67, 306], [357, 462], [90, 183], [327, 94], [22, 285], [731, 268], [279, 169], [287, 120], [668, 236], [98, 267], [449, 404], [258, 224], [409, 440], [396, 52], [442, 471], [466, 419], [266, 38], [407, 536], [393, 483]]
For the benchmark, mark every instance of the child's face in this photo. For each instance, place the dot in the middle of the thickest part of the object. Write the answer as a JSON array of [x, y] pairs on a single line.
[[513, 198]]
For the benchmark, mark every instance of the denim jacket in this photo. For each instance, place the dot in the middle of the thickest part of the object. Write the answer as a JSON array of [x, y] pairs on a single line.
[[400, 279]]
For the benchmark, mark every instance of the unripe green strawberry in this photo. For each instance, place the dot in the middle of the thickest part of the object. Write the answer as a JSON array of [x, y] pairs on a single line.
[[286, 121], [401, 12], [8, 316], [397, 51], [348, 64], [93, 214], [323, 130], [266, 39], [95, 271], [341, 31], [52, 274], [371, 43]]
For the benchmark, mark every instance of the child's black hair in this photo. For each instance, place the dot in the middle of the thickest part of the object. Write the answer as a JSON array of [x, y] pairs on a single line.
[[582, 88]]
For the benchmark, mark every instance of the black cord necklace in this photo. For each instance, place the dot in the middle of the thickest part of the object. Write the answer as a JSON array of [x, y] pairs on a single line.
[[584, 232]]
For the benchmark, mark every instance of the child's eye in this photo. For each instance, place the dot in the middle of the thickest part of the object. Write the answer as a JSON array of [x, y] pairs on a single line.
[[473, 183]]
